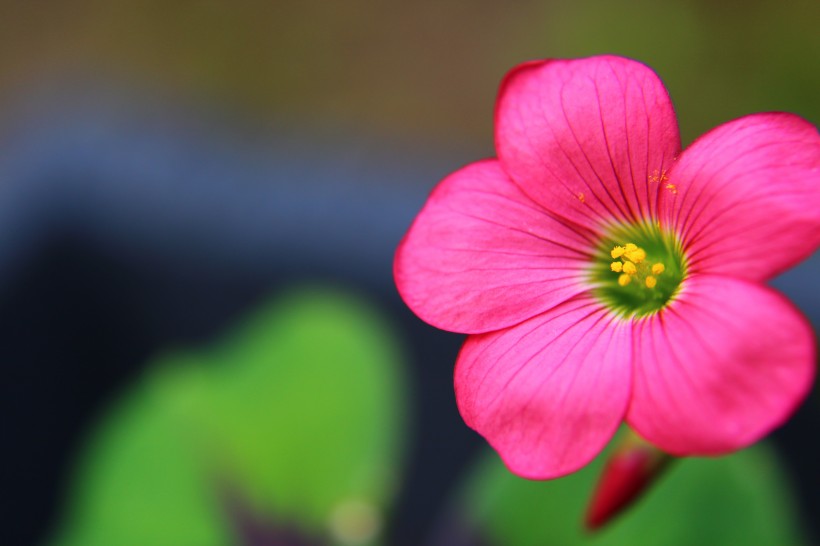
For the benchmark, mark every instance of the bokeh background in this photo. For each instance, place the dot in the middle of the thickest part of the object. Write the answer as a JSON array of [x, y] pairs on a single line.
[[199, 202]]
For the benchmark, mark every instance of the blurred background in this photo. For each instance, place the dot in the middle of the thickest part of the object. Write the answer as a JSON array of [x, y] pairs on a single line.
[[199, 203]]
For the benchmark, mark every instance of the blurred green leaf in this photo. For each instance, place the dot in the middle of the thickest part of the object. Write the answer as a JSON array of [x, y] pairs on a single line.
[[739, 499], [300, 410]]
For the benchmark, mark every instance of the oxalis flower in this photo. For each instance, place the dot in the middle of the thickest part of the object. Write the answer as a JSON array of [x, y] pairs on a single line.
[[604, 275]]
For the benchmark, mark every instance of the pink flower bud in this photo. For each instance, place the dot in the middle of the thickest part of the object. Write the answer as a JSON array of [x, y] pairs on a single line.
[[633, 467]]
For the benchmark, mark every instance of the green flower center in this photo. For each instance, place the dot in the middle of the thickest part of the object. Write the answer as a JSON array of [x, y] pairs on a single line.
[[638, 269]]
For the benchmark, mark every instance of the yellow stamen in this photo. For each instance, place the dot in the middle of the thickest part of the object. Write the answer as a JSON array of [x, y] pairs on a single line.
[[631, 265], [638, 255]]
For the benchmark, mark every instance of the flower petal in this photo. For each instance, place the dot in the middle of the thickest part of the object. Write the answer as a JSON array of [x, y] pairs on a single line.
[[748, 202], [719, 368], [549, 393], [589, 139], [482, 256]]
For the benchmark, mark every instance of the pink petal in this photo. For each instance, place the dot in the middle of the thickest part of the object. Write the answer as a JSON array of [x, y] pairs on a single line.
[[549, 393], [482, 256], [748, 201], [589, 139], [718, 369]]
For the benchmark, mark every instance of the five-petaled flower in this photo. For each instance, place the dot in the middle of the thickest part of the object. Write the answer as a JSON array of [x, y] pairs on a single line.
[[604, 275]]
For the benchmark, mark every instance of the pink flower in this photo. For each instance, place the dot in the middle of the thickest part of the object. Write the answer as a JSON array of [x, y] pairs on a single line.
[[605, 276]]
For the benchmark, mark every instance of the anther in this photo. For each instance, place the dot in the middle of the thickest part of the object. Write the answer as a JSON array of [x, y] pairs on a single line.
[[624, 279], [658, 268], [629, 268], [617, 252], [638, 255], [616, 266], [651, 281]]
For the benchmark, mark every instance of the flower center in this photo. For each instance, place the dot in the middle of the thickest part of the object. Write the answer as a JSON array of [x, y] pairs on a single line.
[[638, 269]]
